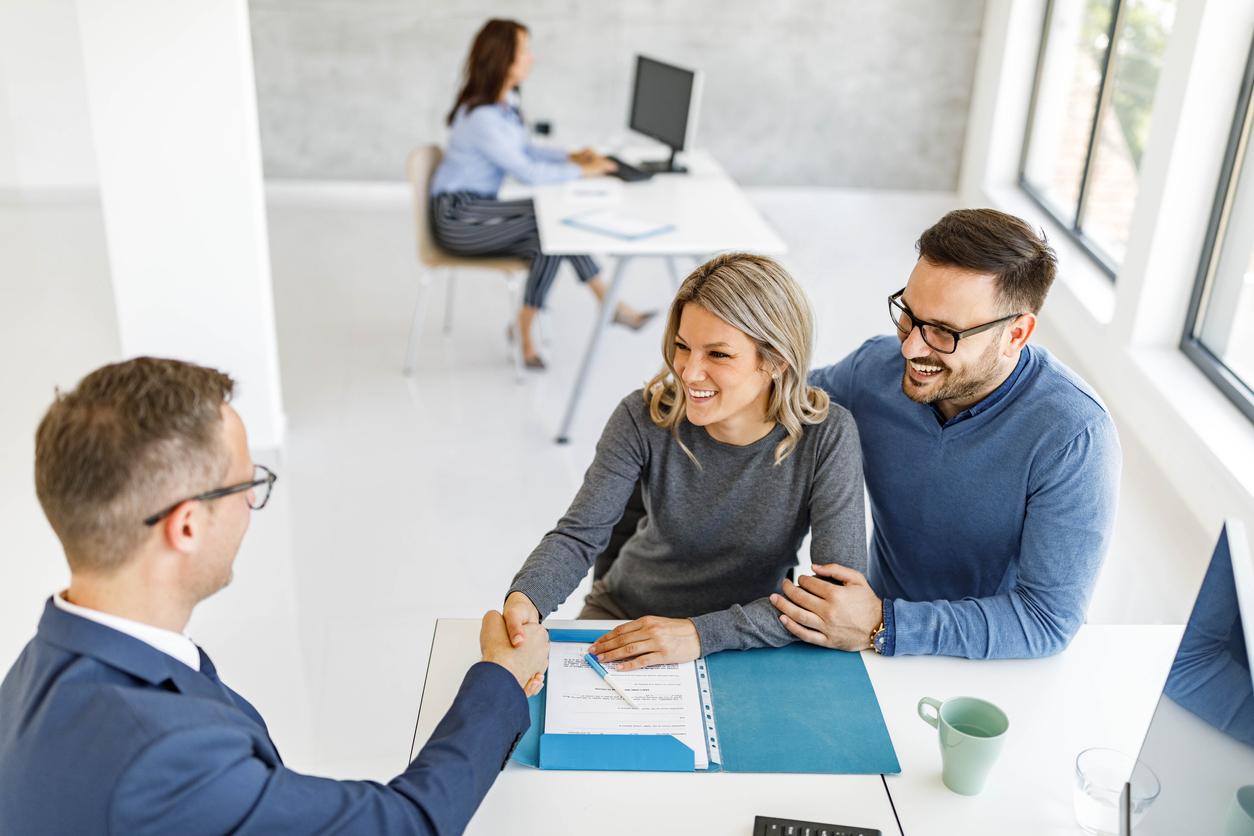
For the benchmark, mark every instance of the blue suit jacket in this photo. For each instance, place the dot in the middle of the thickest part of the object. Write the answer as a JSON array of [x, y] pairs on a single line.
[[101, 733]]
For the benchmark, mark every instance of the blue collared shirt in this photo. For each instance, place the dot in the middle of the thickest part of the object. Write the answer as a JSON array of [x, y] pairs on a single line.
[[489, 142]]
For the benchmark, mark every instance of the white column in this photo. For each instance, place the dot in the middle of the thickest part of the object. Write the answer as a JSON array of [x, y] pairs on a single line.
[[174, 115]]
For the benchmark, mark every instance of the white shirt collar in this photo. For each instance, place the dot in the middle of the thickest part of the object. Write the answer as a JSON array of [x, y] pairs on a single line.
[[172, 644]]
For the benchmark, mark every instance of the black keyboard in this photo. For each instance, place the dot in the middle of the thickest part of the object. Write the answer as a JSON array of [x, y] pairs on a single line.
[[628, 172], [771, 826]]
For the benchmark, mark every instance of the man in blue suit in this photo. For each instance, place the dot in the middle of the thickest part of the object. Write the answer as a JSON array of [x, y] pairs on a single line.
[[113, 721]]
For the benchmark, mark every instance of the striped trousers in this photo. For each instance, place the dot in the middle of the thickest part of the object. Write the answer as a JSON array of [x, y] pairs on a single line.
[[469, 224]]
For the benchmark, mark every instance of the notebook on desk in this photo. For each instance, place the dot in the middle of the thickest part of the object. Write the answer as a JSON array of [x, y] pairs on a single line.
[[798, 708]]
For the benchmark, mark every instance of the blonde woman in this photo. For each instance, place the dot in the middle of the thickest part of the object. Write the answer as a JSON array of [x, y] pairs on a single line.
[[739, 459]]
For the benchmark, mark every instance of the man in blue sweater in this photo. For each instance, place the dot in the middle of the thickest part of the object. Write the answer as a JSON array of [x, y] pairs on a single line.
[[113, 721], [991, 467]]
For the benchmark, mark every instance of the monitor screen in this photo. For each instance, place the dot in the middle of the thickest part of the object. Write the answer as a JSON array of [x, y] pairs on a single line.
[[1200, 744], [661, 100]]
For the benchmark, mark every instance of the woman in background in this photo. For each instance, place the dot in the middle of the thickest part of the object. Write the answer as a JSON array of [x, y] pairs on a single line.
[[488, 140], [738, 458]]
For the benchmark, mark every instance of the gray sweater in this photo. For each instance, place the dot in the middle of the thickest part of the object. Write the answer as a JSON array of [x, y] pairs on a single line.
[[717, 539]]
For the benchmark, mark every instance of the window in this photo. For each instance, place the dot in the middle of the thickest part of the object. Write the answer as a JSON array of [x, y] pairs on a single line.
[[1089, 119], [1219, 332]]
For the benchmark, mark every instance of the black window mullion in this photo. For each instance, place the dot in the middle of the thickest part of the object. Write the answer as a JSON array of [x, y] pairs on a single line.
[[1103, 101], [1239, 391], [1046, 28]]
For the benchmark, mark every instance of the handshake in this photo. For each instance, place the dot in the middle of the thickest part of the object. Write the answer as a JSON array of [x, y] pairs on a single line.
[[527, 661]]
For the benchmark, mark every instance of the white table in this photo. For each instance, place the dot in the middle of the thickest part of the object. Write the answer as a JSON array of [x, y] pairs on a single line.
[[532, 801], [1100, 692], [707, 209]]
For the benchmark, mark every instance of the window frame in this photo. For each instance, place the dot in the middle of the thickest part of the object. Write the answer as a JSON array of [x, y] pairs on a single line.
[[1236, 155], [1074, 230]]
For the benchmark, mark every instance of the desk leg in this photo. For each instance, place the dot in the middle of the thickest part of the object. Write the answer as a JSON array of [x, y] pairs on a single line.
[[603, 319], [674, 271]]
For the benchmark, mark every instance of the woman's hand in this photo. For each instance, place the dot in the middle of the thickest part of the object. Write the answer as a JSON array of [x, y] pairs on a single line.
[[519, 612], [593, 164], [526, 662], [651, 640], [595, 168]]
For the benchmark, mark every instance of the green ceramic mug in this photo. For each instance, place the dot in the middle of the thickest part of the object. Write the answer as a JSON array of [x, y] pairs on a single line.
[[1240, 820], [972, 732]]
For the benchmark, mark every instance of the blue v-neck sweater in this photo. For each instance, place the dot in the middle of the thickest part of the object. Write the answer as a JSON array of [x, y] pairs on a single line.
[[989, 528]]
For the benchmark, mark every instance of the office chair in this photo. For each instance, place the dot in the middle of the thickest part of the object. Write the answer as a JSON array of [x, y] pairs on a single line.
[[421, 164]]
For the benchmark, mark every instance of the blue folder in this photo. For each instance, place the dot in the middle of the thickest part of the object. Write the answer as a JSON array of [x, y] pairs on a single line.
[[796, 708]]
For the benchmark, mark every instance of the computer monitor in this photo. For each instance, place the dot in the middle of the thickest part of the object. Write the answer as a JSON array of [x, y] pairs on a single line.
[[1200, 744], [664, 102]]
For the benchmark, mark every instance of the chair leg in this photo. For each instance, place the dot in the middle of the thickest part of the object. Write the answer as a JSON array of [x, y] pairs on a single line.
[[514, 288], [450, 296], [415, 325]]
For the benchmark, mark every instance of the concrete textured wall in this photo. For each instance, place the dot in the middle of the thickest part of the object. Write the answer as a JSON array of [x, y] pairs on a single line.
[[855, 93]]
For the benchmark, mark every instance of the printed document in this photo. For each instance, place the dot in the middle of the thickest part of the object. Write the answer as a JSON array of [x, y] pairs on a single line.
[[579, 701]]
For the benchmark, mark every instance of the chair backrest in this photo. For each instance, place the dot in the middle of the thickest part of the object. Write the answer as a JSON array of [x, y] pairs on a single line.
[[421, 165]]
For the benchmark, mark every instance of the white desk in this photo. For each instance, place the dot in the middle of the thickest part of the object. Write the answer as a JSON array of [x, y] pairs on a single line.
[[1101, 691], [709, 213], [532, 801]]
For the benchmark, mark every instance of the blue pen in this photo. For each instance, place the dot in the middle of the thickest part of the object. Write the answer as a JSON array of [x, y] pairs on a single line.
[[608, 677]]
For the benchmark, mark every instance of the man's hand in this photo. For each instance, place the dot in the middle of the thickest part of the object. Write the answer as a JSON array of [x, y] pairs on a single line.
[[519, 612], [651, 640], [827, 614], [583, 155], [527, 661]]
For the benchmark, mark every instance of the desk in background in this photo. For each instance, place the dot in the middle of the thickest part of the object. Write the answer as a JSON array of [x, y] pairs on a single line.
[[707, 209]]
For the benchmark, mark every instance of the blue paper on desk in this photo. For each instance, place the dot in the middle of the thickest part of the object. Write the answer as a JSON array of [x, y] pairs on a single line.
[[798, 708]]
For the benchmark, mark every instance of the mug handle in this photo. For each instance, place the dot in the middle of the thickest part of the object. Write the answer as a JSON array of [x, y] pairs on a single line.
[[929, 718]]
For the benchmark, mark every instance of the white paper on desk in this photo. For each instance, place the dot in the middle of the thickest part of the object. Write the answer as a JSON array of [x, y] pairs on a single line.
[[578, 700], [595, 191], [614, 223]]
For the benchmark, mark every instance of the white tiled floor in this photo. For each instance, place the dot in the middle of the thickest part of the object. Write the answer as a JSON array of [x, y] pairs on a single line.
[[401, 501]]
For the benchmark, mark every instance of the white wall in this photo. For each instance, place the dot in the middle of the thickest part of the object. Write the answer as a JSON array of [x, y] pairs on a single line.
[[796, 92], [1123, 337], [173, 110], [45, 131]]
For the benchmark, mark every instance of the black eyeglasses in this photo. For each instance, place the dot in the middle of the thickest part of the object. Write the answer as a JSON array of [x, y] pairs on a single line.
[[263, 480], [937, 337]]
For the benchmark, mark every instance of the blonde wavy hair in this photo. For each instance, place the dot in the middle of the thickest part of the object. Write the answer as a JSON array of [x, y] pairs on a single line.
[[757, 296]]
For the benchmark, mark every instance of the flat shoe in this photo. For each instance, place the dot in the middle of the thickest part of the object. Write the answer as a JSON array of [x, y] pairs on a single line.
[[534, 363], [634, 324]]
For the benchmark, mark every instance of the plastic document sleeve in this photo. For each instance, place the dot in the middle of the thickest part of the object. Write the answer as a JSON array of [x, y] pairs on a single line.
[[798, 708]]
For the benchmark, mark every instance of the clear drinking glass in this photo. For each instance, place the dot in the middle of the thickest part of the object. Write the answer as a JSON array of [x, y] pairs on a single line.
[[1099, 778]]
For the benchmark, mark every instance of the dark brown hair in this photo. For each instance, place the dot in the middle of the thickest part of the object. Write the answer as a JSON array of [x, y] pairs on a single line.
[[988, 241], [129, 440], [487, 66]]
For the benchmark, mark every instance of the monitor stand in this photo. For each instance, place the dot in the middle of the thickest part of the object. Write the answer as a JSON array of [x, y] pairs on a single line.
[[662, 166]]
